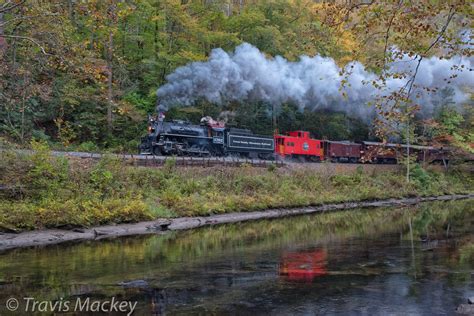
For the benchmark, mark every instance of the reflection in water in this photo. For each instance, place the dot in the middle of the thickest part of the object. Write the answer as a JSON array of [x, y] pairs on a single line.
[[415, 260], [303, 265]]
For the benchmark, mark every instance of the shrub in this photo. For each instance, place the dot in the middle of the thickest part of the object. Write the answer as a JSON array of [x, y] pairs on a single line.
[[14, 215], [103, 176], [341, 180], [88, 147], [170, 165], [47, 173], [421, 177], [271, 167], [50, 192]]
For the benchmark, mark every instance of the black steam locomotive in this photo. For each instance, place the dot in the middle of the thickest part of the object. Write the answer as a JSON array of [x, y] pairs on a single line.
[[210, 138]]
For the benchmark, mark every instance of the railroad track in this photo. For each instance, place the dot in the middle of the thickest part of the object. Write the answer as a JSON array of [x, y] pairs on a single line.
[[156, 161]]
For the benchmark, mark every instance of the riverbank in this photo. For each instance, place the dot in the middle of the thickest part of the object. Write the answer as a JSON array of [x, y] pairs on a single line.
[[54, 236], [43, 191]]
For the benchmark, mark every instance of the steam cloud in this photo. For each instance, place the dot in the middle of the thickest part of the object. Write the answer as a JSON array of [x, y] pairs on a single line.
[[311, 83]]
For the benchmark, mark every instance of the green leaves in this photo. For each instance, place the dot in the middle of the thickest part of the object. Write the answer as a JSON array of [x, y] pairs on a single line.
[[152, 38], [47, 174]]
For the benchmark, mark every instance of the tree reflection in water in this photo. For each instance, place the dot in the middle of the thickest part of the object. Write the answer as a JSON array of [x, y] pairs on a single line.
[[321, 263]]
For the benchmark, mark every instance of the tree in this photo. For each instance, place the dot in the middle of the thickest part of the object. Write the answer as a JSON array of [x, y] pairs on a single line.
[[418, 29]]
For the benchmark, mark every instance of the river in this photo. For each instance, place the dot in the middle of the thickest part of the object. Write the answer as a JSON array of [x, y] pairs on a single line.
[[415, 260]]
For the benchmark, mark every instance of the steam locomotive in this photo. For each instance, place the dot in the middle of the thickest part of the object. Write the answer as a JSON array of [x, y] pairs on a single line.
[[213, 138], [210, 138]]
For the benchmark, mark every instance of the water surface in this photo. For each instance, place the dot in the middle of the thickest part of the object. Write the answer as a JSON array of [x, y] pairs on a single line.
[[398, 261]]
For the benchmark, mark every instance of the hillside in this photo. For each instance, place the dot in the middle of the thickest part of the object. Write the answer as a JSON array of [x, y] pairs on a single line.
[[84, 75]]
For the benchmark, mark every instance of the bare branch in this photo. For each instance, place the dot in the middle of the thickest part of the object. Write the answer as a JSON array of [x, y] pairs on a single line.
[[443, 30], [387, 34], [13, 6], [433, 44], [23, 18], [348, 12], [28, 39], [412, 80]]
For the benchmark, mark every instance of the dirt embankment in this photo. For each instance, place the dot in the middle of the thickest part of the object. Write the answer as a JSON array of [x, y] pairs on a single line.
[[55, 236]]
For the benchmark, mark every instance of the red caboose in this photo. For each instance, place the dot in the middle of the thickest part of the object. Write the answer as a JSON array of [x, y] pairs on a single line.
[[298, 144]]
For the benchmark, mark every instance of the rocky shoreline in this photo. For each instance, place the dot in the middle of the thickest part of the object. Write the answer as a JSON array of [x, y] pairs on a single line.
[[54, 236]]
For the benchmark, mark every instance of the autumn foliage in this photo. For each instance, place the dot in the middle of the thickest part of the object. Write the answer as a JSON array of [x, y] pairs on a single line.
[[74, 72]]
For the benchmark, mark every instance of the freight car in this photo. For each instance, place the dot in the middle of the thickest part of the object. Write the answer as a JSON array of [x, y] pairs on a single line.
[[342, 151], [381, 153], [391, 153], [210, 138], [428, 154]]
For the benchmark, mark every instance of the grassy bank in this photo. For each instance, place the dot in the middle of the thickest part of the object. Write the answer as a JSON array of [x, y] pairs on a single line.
[[41, 191]]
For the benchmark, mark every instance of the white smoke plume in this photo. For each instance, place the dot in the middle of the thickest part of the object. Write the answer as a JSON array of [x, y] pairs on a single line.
[[311, 82]]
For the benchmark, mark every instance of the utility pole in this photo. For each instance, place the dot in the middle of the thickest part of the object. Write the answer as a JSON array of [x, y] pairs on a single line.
[[408, 144]]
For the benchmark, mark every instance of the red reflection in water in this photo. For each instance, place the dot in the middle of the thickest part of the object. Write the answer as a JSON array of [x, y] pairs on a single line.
[[304, 266]]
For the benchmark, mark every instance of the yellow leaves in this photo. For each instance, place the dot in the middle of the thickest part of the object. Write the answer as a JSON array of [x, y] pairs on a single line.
[[157, 18], [348, 43], [99, 76], [192, 56]]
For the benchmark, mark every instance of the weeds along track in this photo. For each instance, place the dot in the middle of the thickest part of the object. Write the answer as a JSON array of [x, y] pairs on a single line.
[[158, 161]]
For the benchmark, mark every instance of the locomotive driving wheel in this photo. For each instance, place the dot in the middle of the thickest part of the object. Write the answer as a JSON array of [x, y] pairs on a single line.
[[156, 151]]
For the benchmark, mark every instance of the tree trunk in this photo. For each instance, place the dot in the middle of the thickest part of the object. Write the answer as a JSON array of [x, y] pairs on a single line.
[[109, 82], [23, 109], [3, 42], [229, 8], [72, 12]]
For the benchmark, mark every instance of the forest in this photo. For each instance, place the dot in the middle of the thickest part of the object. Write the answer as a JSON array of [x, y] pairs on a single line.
[[84, 75]]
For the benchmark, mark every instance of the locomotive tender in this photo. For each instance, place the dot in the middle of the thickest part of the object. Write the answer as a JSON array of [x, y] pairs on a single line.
[[213, 138]]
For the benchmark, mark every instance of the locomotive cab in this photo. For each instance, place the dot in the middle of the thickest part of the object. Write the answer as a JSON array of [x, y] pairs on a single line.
[[217, 136]]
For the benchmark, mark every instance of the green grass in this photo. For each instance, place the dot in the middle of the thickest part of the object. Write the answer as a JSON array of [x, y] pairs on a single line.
[[41, 191]]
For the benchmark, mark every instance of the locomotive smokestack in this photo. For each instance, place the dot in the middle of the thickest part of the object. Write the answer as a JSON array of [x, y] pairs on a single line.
[[160, 107]]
